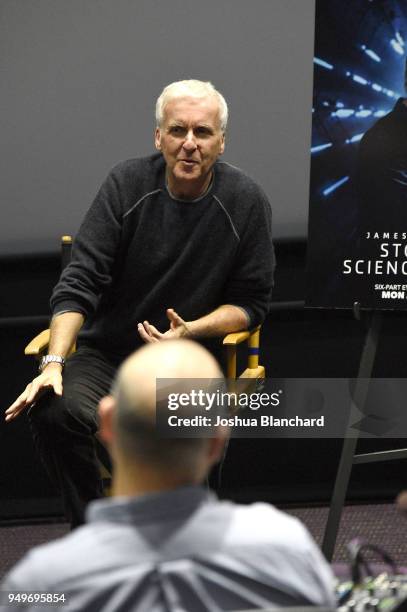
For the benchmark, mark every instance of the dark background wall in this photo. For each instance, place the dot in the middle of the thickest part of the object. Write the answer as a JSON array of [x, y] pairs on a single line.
[[295, 342], [80, 80]]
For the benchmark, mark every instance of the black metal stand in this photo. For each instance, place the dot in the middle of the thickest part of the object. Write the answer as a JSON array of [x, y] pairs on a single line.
[[348, 456]]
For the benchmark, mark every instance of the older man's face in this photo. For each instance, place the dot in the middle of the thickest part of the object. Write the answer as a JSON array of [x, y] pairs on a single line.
[[191, 140]]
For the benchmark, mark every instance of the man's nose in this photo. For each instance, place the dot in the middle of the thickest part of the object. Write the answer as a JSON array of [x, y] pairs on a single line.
[[189, 142]]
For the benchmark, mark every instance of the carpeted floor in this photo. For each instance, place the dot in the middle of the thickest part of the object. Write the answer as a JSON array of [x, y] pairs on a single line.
[[16, 541], [379, 524]]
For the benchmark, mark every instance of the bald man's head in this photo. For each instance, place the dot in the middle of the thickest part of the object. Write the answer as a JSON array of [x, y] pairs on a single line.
[[177, 359], [135, 393]]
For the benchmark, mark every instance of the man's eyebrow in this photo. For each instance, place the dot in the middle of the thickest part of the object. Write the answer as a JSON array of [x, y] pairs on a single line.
[[180, 123]]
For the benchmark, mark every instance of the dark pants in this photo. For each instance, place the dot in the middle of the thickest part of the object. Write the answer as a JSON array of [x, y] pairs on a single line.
[[64, 430]]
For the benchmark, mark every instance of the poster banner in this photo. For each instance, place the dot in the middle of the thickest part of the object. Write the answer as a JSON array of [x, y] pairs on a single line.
[[357, 247]]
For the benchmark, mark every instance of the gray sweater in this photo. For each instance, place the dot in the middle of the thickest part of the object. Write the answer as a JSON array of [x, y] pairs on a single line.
[[139, 251]]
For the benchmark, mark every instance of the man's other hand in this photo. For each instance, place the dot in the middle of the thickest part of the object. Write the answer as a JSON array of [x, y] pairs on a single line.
[[50, 378], [178, 329]]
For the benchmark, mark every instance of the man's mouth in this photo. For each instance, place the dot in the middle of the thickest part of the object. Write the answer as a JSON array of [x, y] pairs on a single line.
[[190, 162]]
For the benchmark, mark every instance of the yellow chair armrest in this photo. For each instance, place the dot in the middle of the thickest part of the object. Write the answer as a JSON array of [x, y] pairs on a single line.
[[38, 344], [236, 338]]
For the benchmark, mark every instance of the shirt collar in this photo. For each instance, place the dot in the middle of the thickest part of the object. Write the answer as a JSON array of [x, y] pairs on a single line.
[[198, 199], [147, 508]]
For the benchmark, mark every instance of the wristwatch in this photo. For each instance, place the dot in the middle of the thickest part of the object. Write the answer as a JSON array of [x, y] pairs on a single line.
[[51, 359]]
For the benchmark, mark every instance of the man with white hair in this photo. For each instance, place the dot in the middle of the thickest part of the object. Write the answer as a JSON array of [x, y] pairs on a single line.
[[177, 237], [162, 543]]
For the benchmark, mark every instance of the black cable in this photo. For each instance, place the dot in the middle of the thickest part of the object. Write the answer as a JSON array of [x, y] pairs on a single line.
[[357, 550]]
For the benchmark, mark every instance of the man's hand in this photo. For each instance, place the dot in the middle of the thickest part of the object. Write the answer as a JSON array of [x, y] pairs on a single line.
[[226, 319], [50, 378], [178, 329], [63, 333]]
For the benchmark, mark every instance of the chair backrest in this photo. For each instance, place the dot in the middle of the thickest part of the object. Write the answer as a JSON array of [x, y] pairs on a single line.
[[66, 249]]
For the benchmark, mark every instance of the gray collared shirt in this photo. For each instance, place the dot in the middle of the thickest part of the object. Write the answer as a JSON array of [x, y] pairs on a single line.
[[180, 550]]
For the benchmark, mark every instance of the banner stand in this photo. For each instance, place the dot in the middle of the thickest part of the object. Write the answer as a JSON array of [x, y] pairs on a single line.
[[348, 456]]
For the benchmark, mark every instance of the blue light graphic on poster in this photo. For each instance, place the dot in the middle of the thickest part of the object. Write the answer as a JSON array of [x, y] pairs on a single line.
[[357, 248]]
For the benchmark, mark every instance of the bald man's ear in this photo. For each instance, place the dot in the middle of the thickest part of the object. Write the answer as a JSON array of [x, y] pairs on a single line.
[[107, 407], [216, 445]]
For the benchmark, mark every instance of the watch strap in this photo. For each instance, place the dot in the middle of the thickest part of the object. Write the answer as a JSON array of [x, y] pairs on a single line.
[[51, 359]]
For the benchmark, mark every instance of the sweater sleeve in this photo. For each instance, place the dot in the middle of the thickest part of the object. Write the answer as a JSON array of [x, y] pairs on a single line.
[[250, 284], [93, 253]]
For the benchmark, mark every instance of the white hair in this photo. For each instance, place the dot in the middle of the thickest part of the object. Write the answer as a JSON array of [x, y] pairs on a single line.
[[195, 89]]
